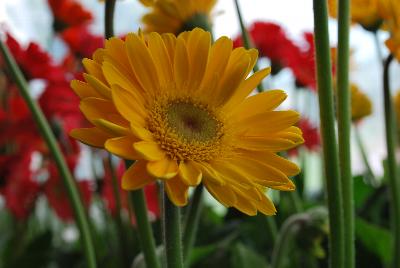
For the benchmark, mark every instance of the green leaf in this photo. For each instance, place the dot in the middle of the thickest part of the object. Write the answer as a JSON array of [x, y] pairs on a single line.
[[361, 191], [244, 257], [376, 239]]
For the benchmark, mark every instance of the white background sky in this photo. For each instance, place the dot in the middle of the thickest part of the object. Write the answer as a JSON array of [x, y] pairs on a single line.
[[30, 20]]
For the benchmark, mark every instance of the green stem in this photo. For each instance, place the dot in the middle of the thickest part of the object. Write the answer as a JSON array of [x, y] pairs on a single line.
[[48, 136], [247, 41], [192, 222], [296, 201], [344, 128], [172, 233], [393, 180], [118, 217], [109, 18], [271, 227], [327, 121], [145, 233], [290, 226], [378, 46], [370, 174]]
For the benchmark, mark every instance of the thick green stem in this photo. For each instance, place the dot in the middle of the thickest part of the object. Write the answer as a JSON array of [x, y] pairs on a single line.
[[192, 222], [393, 180], [285, 237], [247, 41], [344, 128], [118, 216], [172, 233], [109, 18], [145, 233], [369, 173], [48, 136], [328, 133]]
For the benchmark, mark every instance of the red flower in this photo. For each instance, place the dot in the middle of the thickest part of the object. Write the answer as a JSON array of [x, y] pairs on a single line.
[[68, 13], [311, 135], [34, 62], [20, 190], [271, 41], [81, 41]]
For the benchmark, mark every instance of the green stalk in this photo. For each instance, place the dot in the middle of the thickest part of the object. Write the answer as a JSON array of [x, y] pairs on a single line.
[[48, 136], [393, 180], [285, 238], [145, 232], [172, 233], [247, 41], [344, 128], [328, 133], [118, 217], [192, 222], [109, 18], [370, 174]]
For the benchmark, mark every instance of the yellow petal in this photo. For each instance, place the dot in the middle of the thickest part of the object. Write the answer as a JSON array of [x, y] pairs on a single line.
[[122, 147], [165, 168], [99, 86], [93, 68], [262, 102], [273, 144], [136, 176], [222, 194], [141, 133], [129, 105], [84, 90], [149, 150], [170, 44], [245, 205], [245, 89], [177, 191], [90, 136], [159, 51], [190, 174], [142, 63], [111, 128], [181, 63]]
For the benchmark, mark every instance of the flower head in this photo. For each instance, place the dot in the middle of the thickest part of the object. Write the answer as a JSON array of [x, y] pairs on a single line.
[[179, 106], [68, 13], [361, 105], [363, 12], [173, 16], [390, 11]]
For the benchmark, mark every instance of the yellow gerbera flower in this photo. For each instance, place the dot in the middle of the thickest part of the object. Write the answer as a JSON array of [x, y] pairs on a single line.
[[179, 106], [390, 11], [175, 16], [361, 105], [363, 12]]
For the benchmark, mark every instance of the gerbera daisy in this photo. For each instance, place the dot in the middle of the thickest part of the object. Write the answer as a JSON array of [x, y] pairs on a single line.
[[180, 107], [174, 16], [361, 105], [390, 11], [363, 12]]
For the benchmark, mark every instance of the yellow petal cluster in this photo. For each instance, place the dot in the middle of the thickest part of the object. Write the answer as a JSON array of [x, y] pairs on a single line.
[[361, 105], [175, 16], [180, 107], [390, 12], [363, 12]]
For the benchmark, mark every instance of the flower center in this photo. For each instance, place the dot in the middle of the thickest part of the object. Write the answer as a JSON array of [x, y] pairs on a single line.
[[186, 130]]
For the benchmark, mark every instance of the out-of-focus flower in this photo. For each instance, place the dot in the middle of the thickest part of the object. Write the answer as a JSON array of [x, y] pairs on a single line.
[[271, 41], [361, 105], [189, 125], [363, 12], [173, 16], [81, 41], [34, 62], [68, 13], [390, 11]]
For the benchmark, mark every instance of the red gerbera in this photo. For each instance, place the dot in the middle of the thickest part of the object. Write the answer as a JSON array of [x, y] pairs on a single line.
[[81, 41], [68, 13]]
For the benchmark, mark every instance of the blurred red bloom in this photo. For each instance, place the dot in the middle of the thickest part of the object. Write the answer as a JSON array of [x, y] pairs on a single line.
[[272, 42], [68, 13], [34, 62], [312, 140], [81, 41]]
